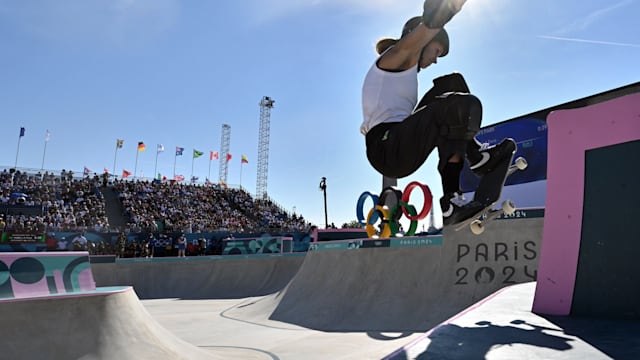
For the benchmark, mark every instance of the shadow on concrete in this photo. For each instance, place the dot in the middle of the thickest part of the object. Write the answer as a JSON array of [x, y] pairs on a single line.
[[468, 343], [619, 339], [388, 336]]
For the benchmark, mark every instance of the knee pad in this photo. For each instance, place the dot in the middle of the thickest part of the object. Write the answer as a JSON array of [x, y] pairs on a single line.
[[453, 82], [462, 117]]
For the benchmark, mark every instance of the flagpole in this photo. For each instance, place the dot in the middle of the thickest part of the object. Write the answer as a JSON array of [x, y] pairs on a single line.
[[135, 169], [43, 153], [18, 150], [241, 173], [155, 169], [175, 157], [45, 150], [115, 156], [209, 176], [193, 160]]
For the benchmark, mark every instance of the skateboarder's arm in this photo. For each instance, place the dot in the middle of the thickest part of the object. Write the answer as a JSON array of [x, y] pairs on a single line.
[[406, 53]]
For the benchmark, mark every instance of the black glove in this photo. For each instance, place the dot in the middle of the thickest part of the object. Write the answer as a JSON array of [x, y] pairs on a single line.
[[438, 12]]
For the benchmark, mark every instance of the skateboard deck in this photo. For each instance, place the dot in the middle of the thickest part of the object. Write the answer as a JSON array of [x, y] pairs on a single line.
[[488, 193]]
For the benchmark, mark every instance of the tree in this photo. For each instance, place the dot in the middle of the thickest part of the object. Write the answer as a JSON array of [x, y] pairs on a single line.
[[353, 224]]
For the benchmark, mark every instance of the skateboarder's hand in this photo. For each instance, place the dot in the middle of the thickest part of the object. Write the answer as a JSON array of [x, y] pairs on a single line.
[[438, 12]]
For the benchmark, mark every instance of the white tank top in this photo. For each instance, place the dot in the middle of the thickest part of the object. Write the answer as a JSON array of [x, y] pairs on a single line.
[[388, 96]]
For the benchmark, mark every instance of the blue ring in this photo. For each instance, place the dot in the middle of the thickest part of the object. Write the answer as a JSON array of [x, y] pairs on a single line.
[[360, 204]]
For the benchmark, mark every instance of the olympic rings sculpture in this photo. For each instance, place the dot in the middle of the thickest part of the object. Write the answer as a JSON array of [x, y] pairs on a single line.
[[389, 208]]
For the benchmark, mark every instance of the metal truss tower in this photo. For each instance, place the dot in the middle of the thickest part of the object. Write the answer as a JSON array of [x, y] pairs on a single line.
[[263, 146], [225, 144], [432, 222]]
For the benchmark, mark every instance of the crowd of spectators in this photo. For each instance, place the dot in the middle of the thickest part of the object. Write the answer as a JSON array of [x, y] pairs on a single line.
[[177, 207], [71, 203], [65, 203]]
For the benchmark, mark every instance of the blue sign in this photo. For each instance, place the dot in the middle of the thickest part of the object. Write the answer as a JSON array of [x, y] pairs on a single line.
[[530, 135]]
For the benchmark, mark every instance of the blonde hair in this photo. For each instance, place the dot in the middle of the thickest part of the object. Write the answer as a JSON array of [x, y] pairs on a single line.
[[383, 44]]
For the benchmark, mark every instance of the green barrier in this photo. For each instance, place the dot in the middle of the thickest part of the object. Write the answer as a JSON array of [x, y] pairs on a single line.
[[397, 242]]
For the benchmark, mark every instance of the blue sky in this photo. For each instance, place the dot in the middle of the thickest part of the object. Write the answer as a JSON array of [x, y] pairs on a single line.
[[173, 72]]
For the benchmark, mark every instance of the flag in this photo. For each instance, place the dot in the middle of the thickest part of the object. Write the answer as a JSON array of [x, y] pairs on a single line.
[[141, 146], [87, 171], [47, 136], [244, 160], [119, 143], [125, 174], [106, 171], [179, 151], [21, 132], [160, 148], [178, 178], [213, 155], [197, 154], [229, 157], [194, 179]]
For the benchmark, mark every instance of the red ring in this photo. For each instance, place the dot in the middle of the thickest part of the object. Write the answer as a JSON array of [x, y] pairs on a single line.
[[428, 200]]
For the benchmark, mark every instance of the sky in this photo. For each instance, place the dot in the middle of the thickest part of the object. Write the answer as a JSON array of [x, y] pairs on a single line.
[[173, 72]]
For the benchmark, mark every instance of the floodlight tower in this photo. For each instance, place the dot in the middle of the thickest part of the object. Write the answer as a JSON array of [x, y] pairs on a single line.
[[263, 146], [225, 144]]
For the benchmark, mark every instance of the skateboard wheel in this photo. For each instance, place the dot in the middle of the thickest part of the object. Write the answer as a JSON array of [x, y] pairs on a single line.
[[521, 163], [477, 227], [508, 207]]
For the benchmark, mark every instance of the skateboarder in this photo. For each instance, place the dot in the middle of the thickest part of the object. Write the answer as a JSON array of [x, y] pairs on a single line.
[[400, 135]]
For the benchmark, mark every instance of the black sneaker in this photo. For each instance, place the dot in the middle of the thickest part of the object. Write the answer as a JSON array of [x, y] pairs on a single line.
[[492, 155], [455, 208]]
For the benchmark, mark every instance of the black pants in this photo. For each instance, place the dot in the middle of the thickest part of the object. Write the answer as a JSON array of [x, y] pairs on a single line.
[[398, 149]]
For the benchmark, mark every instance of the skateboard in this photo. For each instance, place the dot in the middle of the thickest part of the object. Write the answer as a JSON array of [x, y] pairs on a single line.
[[488, 193]]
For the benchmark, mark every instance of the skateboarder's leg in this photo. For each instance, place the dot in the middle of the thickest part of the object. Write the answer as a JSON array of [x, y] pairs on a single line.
[[398, 149], [460, 116], [444, 84], [455, 208], [463, 119], [460, 120]]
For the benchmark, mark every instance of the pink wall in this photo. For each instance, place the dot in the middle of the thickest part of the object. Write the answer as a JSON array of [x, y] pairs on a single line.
[[29, 274], [571, 133]]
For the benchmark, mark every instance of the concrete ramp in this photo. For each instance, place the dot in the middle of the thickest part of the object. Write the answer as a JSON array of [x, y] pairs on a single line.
[[409, 284], [206, 277], [106, 324]]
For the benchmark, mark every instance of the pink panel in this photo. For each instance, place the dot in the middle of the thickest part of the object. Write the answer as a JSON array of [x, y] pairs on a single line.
[[23, 290], [571, 133], [86, 281], [52, 265], [57, 275]]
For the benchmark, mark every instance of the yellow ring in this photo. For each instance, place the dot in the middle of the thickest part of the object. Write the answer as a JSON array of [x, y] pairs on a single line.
[[386, 230]]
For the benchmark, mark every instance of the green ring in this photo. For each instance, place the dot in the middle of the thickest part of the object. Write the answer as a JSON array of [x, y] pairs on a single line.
[[395, 226]]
